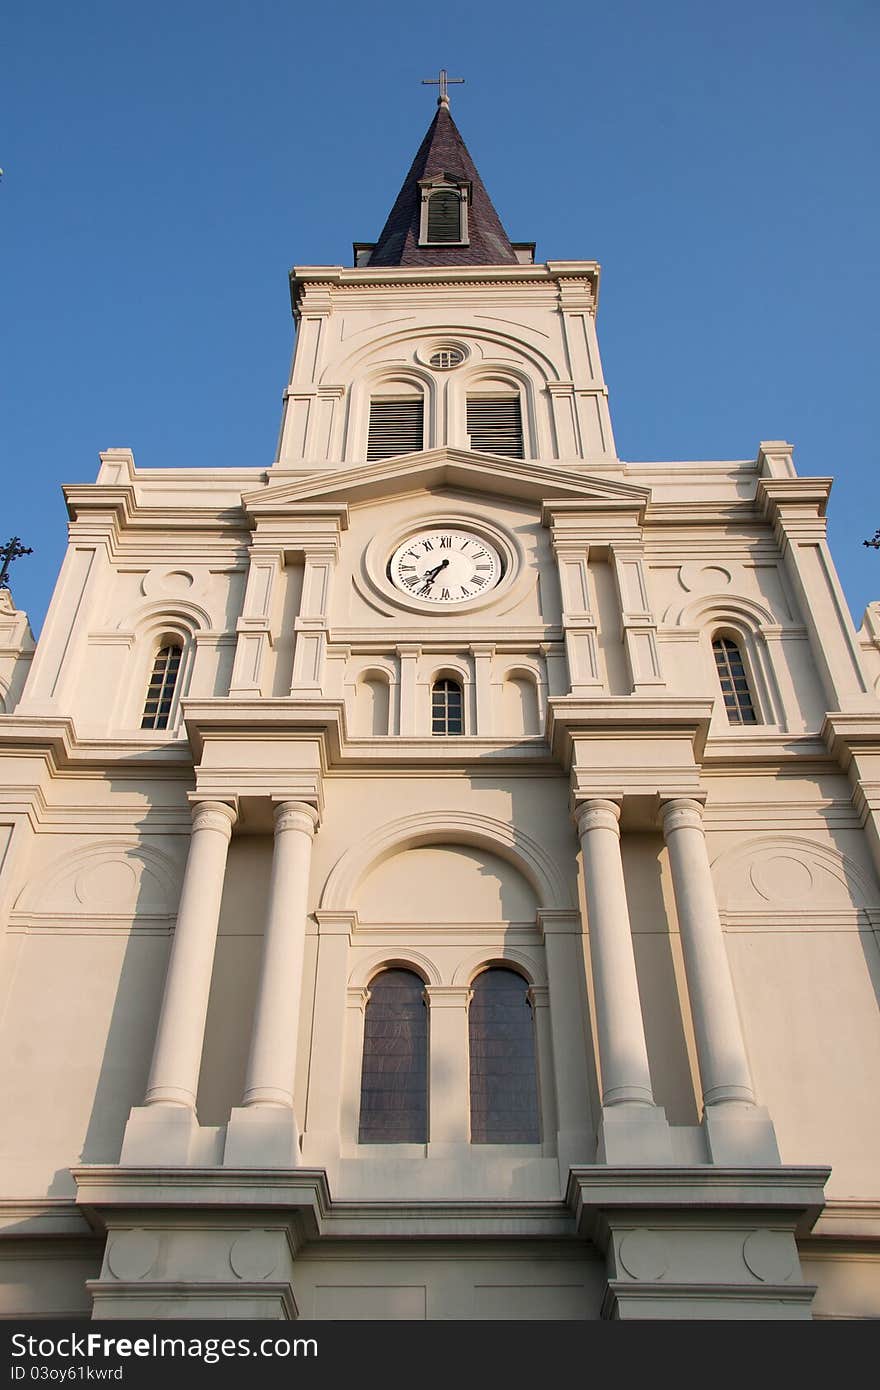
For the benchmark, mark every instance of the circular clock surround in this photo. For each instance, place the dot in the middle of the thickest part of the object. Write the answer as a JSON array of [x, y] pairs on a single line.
[[445, 565], [374, 576]]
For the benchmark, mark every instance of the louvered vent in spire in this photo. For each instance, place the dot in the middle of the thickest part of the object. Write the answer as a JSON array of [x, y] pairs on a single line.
[[444, 216]]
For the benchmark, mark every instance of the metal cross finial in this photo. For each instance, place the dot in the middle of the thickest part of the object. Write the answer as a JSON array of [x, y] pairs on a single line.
[[11, 551], [443, 83]]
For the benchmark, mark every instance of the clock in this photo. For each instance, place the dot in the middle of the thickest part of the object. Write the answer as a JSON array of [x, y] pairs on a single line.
[[445, 566]]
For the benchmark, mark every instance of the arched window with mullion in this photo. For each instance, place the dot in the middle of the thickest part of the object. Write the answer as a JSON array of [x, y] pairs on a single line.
[[503, 1073], [394, 1075]]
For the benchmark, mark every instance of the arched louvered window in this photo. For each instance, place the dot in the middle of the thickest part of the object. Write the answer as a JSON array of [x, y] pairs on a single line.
[[494, 424], [504, 1087], [734, 681], [394, 1077], [397, 426], [162, 687], [447, 707], [444, 215]]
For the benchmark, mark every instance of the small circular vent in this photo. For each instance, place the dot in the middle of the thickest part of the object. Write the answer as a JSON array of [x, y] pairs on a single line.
[[446, 358]]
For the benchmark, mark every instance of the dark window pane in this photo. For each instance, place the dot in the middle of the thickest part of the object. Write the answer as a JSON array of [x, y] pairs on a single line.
[[394, 1079], [734, 682], [447, 715], [504, 1090], [160, 692]]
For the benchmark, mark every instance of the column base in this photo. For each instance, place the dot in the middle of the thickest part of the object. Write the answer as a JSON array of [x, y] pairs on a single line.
[[262, 1136], [634, 1134], [159, 1136], [740, 1136], [574, 1149]]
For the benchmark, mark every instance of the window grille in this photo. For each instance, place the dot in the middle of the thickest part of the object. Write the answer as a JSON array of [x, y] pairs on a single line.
[[444, 216], [495, 425], [394, 1077], [396, 427], [504, 1088], [447, 708], [734, 682], [160, 691], [445, 358]]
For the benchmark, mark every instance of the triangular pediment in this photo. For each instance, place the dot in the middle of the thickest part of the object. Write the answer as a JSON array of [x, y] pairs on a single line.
[[432, 469]]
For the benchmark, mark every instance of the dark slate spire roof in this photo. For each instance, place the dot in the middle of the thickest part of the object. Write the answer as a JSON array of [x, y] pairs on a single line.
[[442, 152]]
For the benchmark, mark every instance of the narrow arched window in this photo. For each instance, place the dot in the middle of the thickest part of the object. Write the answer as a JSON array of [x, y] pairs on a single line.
[[504, 1087], [447, 707], [444, 215], [734, 682], [394, 1077], [163, 684]]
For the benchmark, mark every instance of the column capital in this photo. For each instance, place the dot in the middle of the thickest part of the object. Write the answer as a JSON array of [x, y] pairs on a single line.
[[598, 813], [448, 996], [294, 815], [213, 815], [539, 996], [680, 812], [357, 997]]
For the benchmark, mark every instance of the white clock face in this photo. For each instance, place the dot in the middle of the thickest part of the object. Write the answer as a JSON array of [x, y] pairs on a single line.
[[445, 566]]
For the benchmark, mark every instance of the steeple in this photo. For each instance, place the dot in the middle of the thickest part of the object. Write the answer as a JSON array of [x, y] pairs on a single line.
[[443, 215]]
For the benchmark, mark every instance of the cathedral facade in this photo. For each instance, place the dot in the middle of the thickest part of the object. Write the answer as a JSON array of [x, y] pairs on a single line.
[[440, 872]]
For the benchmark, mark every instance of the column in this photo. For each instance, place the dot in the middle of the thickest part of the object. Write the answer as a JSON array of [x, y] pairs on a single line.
[[310, 626], [569, 1028], [639, 1134], [165, 1129], [482, 656], [321, 1139], [174, 1075], [539, 999], [449, 1088], [728, 1094], [253, 635], [272, 1139], [408, 691], [638, 625]]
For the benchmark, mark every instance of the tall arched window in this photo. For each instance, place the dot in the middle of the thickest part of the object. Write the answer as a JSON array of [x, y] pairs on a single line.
[[734, 682], [447, 707], [504, 1087], [394, 1077], [162, 687]]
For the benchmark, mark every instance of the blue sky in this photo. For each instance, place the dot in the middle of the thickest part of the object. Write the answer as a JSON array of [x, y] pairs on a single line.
[[165, 165]]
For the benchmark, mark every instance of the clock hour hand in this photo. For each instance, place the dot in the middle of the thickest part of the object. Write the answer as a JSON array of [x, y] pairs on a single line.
[[430, 575]]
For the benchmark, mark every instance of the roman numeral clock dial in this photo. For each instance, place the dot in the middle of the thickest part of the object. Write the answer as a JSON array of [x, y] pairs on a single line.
[[445, 566]]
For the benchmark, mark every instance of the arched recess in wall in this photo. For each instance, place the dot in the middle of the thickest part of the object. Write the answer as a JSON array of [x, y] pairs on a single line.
[[522, 703], [489, 390], [776, 874], [451, 827], [155, 626], [371, 702], [115, 882], [389, 383], [741, 621]]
